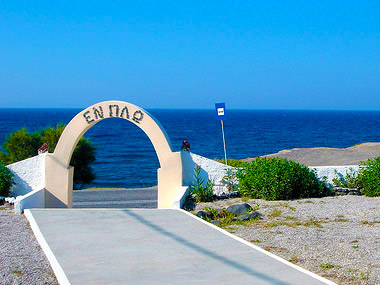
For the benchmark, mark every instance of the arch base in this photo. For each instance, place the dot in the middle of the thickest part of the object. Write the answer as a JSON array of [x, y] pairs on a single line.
[[59, 185]]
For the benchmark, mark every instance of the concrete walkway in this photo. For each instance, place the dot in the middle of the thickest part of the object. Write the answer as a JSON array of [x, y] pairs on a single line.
[[116, 198], [152, 246]]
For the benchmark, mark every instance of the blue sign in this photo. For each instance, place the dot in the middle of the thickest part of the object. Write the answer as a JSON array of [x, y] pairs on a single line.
[[220, 111]]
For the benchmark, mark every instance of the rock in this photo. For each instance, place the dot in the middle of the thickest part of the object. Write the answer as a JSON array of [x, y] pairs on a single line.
[[347, 191], [209, 215], [201, 214], [248, 216], [239, 209], [223, 196], [216, 222], [189, 204], [204, 214], [234, 194]]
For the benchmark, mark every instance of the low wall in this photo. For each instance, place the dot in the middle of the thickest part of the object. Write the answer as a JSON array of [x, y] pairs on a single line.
[[34, 199], [29, 175], [215, 171], [210, 169], [331, 172]]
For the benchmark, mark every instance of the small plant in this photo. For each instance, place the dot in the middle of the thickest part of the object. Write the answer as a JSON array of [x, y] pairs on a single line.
[[230, 179], [328, 266], [17, 272], [294, 259], [364, 275], [350, 180], [340, 219], [369, 177], [200, 192], [255, 241], [275, 213], [6, 180]]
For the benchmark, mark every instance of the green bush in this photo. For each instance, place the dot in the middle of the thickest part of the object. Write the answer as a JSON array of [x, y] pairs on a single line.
[[6, 180], [279, 179], [369, 177], [350, 180], [233, 162], [200, 192], [21, 145]]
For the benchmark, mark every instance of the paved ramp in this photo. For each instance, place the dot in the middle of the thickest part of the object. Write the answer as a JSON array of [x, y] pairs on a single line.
[[152, 246]]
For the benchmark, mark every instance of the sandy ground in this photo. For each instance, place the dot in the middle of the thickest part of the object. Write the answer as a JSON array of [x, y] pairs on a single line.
[[324, 156], [335, 237]]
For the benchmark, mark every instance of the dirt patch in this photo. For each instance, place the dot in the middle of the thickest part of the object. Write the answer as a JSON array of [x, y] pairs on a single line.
[[324, 156]]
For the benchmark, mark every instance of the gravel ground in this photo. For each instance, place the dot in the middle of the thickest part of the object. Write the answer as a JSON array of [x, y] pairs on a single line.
[[335, 237], [22, 260]]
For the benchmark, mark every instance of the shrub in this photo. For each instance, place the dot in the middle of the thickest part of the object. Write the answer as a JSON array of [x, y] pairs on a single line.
[[350, 180], [200, 192], [279, 179], [21, 145], [233, 162], [369, 177], [6, 180], [230, 179]]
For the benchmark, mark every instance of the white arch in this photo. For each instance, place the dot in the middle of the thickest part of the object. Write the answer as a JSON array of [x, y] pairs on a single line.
[[59, 174], [90, 116]]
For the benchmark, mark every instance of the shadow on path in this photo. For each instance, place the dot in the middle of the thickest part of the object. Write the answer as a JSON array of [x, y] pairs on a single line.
[[222, 259]]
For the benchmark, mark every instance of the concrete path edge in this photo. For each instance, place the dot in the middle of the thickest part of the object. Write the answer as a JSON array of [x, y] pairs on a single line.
[[57, 269], [307, 272]]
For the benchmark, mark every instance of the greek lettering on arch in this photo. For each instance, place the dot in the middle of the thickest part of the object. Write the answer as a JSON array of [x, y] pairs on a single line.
[[138, 116], [116, 110], [98, 114], [124, 110], [88, 118]]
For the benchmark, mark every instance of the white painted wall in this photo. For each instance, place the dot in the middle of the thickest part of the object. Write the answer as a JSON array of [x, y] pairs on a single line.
[[210, 169], [29, 175], [34, 199], [180, 198], [215, 171], [331, 172]]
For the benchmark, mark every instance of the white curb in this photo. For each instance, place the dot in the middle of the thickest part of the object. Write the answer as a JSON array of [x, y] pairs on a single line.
[[58, 271], [320, 278]]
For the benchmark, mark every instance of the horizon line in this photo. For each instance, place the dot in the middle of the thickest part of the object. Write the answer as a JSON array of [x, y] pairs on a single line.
[[202, 109]]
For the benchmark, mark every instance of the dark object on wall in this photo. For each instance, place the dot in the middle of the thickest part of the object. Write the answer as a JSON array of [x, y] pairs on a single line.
[[44, 148], [185, 145]]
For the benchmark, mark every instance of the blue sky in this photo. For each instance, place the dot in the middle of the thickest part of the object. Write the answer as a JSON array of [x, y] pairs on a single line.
[[191, 54]]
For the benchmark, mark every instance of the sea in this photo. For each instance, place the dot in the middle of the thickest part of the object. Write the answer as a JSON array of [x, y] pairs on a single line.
[[125, 157]]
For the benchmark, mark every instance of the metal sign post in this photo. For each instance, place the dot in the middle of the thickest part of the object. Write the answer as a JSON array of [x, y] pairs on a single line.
[[221, 115]]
